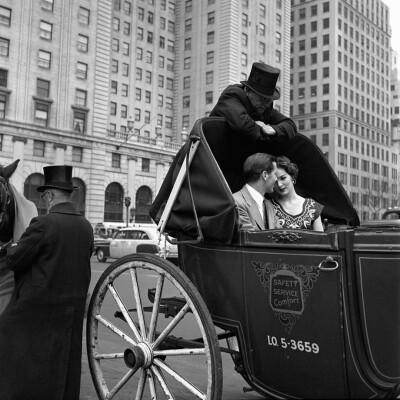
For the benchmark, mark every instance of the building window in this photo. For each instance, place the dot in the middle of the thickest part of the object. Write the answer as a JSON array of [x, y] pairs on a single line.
[[170, 83], [188, 25], [79, 122], [211, 18], [80, 97], [3, 77], [210, 57], [149, 37], [127, 8], [186, 101], [209, 77], [127, 28], [137, 114], [171, 27], [43, 88], [168, 103], [3, 103], [168, 122], [186, 82], [46, 30], [47, 4], [41, 113], [261, 29], [188, 44], [325, 139], [125, 69], [245, 20], [115, 160], [81, 70], [210, 37], [83, 43], [114, 66], [148, 77], [244, 59], [114, 202], [325, 39], [125, 49], [5, 16], [142, 204], [113, 108], [124, 90], [77, 154], [209, 97], [145, 165], [44, 59], [124, 111], [83, 15], [38, 148]]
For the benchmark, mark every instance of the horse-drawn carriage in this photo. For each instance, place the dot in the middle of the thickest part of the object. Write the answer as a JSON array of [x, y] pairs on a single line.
[[303, 314]]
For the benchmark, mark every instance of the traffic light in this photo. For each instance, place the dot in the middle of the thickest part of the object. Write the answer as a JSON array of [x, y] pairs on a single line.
[[127, 201]]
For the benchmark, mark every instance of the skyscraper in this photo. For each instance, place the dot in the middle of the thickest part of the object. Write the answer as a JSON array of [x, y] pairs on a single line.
[[340, 94]]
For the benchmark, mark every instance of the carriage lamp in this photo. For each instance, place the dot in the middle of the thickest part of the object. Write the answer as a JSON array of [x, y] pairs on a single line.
[[127, 201]]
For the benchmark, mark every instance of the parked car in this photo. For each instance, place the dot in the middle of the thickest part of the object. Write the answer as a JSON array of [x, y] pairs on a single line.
[[102, 247], [392, 213], [141, 239]]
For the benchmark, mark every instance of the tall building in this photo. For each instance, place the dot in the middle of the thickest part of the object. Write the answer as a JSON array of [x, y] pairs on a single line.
[[340, 94], [113, 87]]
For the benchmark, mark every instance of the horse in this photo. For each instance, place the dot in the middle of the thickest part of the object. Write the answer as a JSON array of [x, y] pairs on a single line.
[[15, 214]]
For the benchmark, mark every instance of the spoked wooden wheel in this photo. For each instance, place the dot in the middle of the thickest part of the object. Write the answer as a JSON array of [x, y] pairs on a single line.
[[150, 335]]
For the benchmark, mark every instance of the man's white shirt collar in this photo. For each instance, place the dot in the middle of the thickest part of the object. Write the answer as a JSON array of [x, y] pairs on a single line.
[[258, 198]]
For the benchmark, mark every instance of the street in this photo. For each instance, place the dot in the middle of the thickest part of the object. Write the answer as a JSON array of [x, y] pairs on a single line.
[[233, 383]]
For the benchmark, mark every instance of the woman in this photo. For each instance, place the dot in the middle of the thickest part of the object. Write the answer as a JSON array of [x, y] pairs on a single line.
[[289, 209]]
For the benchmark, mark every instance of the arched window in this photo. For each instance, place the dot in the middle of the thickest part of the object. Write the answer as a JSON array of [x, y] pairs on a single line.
[[114, 203], [79, 195], [30, 191], [143, 203]]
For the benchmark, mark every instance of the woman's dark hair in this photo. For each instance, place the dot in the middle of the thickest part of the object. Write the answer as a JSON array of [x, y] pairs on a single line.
[[291, 168], [256, 164]]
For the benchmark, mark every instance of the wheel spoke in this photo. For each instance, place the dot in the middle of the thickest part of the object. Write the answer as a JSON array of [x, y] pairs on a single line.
[[171, 326], [116, 330], [156, 306], [180, 379], [124, 312], [152, 385], [141, 384], [121, 383], [138, 302], [108, 356], [157, 372], [180, 352]]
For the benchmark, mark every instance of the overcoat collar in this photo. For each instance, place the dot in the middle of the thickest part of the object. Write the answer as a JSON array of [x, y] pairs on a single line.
[[64, 208]]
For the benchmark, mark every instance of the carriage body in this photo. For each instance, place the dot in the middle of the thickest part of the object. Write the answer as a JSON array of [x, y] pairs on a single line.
[[316, 314], [306, 328]]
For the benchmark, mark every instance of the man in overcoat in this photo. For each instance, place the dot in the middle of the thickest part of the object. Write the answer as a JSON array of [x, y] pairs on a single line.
[[41, 328], [248, 107]]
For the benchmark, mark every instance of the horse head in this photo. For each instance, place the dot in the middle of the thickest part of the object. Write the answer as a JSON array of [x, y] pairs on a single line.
[[7, 205]]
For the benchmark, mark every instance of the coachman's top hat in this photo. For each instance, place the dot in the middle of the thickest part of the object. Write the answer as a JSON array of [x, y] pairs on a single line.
[[262, 80], [57, 177]]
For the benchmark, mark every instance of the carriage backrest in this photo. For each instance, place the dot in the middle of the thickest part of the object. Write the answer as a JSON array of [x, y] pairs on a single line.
[[216, 172]]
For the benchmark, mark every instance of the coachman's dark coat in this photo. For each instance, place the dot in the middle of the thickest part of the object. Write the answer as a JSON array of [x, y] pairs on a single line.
[[41, 328]]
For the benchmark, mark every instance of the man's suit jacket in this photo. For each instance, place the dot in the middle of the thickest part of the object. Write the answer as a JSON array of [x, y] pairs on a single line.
[[250, 218]]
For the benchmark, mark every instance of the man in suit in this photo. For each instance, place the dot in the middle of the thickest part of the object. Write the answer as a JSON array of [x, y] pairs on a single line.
[[41, 328], [248, 107], [259, 172]]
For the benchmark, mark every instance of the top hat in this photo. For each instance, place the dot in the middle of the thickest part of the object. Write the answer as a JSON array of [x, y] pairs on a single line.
[[57, 177], [262, 80]]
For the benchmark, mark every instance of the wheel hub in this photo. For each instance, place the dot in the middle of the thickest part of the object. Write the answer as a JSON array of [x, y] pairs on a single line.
[[139, 356]]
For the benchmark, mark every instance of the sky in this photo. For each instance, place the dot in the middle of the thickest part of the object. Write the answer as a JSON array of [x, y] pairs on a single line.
[[394, 6]]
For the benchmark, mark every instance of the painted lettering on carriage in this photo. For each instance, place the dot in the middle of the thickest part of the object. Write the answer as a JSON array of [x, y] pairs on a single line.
[[298, 345], [285, 292]]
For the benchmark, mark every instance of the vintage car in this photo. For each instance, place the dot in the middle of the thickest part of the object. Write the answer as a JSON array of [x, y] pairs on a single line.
[[304, 314]]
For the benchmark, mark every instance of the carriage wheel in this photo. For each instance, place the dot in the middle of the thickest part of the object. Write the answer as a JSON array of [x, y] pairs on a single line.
[[150, 335]]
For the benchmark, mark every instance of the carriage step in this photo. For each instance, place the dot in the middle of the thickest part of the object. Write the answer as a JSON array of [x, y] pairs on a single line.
[[169, 306]]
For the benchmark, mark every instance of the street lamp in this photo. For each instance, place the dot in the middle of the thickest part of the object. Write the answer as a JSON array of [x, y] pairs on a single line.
[[127, 201]]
